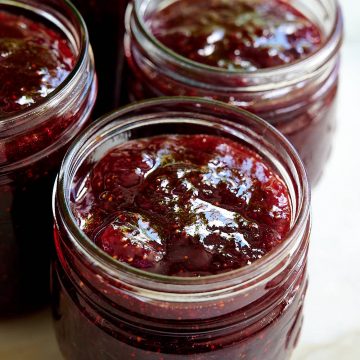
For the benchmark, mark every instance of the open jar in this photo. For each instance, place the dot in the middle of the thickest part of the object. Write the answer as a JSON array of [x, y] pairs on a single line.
[[252, 312], [33, 141], [298, 98]]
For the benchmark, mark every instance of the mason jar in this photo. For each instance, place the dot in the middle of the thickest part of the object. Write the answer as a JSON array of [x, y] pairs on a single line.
[[252, 312], [298, 98], [32, 144]]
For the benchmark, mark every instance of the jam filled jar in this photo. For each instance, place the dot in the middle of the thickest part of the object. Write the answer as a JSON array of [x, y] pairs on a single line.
[[278, 59], [48, 89], [181, 231]]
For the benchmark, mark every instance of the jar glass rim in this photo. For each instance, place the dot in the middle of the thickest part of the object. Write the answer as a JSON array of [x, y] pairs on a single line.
[[18, 118], [118, 269], [314, 60]]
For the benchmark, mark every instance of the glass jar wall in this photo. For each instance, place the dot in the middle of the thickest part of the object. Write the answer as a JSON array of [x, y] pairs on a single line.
[[298, 98], [252, 312], [33, 138]]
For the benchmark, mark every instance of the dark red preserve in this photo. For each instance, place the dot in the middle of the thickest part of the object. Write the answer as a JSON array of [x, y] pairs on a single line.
[[35, 60], [47, 90], [278, 59], [180, 233], [190, 205], [239, 34]]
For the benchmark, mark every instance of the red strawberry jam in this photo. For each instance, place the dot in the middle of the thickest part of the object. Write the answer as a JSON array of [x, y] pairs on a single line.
[[238, 34], [39, 48], [34, 61], [190, 205]]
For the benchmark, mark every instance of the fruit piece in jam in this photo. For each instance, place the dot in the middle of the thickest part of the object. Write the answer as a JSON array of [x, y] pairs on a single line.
[[179, 205], [239, 34], [34, 61]]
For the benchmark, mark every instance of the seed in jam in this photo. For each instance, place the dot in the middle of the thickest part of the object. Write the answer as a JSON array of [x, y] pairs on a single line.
[[178, 205], [237, 34], [34, 61]]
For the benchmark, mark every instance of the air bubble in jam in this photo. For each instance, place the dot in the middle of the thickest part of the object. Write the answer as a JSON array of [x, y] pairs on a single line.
[[192, 205]]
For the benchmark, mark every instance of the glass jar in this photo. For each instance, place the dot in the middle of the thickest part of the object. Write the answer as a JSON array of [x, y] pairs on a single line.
[[32, 144], [299, 99], [253, 312], [105, 21]]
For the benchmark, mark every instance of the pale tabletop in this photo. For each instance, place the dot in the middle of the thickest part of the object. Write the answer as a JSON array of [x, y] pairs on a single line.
[[332, 314]]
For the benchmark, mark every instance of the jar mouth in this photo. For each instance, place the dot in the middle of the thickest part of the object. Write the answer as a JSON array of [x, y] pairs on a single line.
[[19, 118], [102, 128], [313, 61]]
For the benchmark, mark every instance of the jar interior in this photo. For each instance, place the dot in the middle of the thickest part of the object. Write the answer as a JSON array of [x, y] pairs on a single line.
[[62, 18], [63, 22], [146, 120], [321, 12], [169, 123]]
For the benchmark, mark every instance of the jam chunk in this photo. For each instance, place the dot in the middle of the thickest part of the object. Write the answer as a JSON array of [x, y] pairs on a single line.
[[238, 34], [34, 61], [181, 205]]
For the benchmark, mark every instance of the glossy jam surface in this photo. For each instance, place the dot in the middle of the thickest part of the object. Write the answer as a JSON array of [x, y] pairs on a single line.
[[183, 205], [34, 61], [238, 34]]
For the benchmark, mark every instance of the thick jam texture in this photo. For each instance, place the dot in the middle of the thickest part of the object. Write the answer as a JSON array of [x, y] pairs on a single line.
[[178, 205], [34, 61], [183, 205], [238, 34]]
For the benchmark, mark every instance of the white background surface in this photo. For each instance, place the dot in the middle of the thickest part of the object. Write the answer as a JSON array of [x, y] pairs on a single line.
[[332, 313]]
